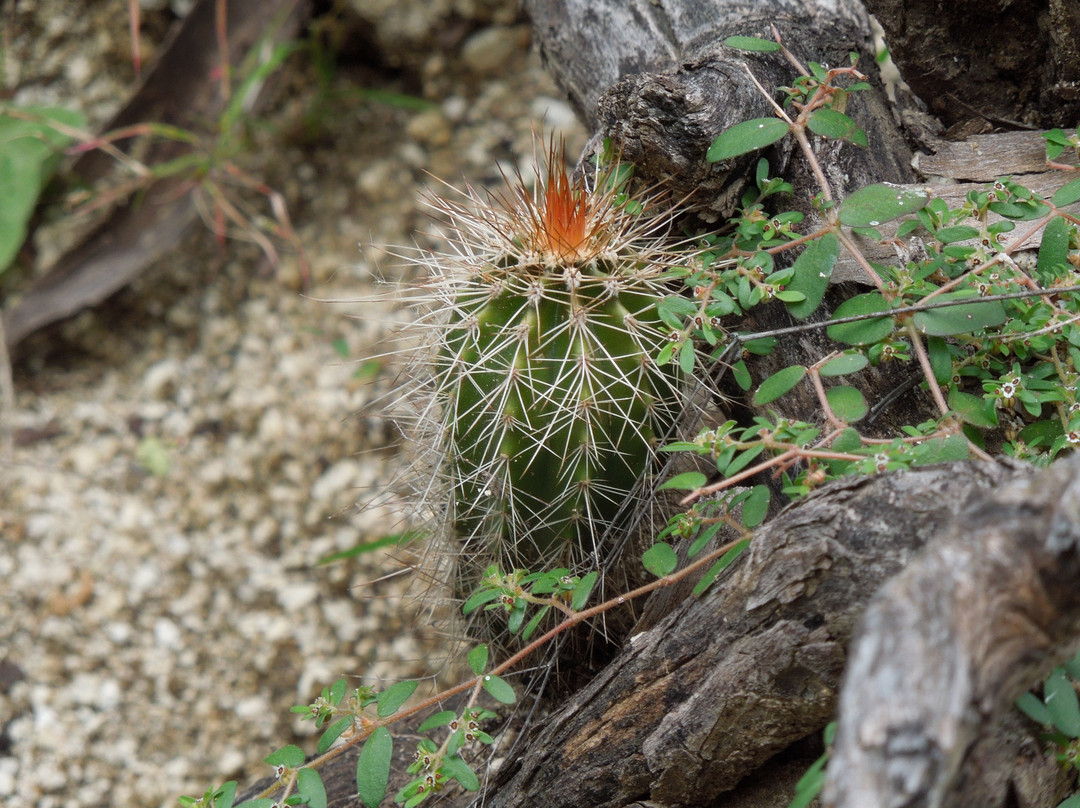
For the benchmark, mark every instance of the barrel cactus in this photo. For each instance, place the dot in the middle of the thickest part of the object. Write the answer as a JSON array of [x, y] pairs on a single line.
[[538, 392]]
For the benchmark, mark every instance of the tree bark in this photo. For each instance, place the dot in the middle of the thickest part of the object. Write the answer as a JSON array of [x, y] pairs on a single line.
[[979, 67]]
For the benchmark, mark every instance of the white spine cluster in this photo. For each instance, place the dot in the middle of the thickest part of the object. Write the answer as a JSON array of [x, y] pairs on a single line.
[[536, 398]]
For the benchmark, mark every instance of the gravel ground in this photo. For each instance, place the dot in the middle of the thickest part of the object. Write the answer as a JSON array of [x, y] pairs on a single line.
[[186, 452]]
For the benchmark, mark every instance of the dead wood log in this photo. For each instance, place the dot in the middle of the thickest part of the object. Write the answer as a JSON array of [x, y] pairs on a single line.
[[694, 708], [949, 643]]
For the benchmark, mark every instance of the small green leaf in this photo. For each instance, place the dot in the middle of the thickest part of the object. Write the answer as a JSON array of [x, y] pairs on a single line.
[[1062, 702], [440, 719], [309, 786], [964, 318], [746, 137], [880, 203], [455, 767], [940, 359], [1072, 667], [739, 462], [533, 623], [742, 375], [686, 357], [332, 733], [499, 689], [517, 618], [722, 564], [790, 296], [373, 767], [950, 235], [687, 481], [844, 364], [582, 590], [813, 268], [391, 699], [1067, 194], [756, 506], [660, 559], [971, 410], [847, 403], [1053, 250], [478, 658], [779, 383], [752, 43], [861, 332], [261, 802], [837, 126], [479, 598], [224, 796], [290, 756], [337, 691], [847, 441]]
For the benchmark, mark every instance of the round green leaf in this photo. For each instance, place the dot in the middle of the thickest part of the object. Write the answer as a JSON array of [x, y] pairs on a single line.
[[972, 410], [836, 125], [373, 767], [309, 785], [752, 43], [499, 689], [844, 364], [813, 268], [290, 756], [756, 506], [458, 769], [746, 137], [960, 319], [478, 658], [660, 559], [1067, 194], [847, 403], [440, 719], [779, 383], [224, 796], [883, 202], [1062, 702], [861, 332], [1031, 706]]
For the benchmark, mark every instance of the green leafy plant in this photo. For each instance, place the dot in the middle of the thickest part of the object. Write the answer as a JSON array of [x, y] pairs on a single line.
[[206, 163], [31, 147], [541, 281]]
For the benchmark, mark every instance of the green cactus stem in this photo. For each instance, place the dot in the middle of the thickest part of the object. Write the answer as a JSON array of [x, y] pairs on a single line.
[[542, 390]]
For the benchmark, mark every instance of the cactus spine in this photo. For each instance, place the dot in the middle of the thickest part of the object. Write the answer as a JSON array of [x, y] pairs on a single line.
[[540, 392]]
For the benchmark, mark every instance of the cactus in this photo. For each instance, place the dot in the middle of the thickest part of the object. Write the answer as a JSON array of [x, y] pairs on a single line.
[[539, 392]]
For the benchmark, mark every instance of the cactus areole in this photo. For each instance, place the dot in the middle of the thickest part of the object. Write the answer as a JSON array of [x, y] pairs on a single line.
[[549, 399]]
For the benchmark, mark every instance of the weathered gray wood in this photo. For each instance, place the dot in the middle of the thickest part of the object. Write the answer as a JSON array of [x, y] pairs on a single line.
[[949, 643], [694, 708], [723, 683], [655, 79]]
